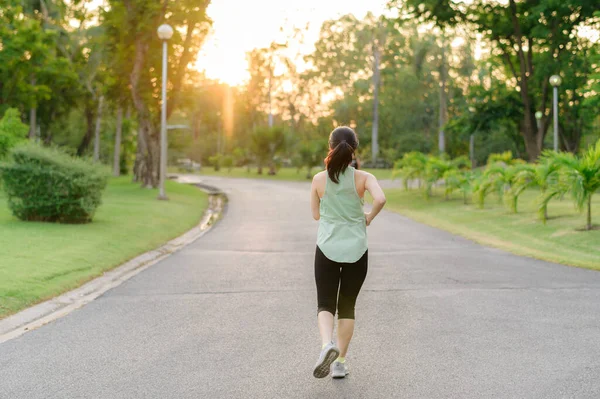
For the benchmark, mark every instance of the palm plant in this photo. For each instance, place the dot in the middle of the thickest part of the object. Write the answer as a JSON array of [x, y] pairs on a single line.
[[543, 175], [581, 177], [519, 177], [481, 187], [459, 180], [437, 168], [266, 143], [311, 154], [410, 167], [496, 177]]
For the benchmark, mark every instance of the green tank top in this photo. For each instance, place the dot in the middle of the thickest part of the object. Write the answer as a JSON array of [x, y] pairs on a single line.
[[342, 233]]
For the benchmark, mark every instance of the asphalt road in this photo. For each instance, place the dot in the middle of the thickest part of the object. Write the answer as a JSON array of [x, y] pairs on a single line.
[[234, 316]]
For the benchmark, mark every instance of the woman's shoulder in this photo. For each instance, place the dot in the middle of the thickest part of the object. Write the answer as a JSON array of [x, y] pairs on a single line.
[[320, 176], [362, 174]]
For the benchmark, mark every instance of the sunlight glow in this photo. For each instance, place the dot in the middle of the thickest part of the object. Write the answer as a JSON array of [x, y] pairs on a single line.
[[240, 26]]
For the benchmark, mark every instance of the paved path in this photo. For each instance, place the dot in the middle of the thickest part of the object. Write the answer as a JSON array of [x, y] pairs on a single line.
[[233, 316]]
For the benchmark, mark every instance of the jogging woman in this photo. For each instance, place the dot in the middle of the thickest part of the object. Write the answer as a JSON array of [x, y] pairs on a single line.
[[341, 255]]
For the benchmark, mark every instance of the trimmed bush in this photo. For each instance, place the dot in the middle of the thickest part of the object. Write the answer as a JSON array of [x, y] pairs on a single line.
[[46, 184]]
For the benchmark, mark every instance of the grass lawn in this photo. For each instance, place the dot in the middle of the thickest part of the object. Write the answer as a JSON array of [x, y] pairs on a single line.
[[557, 241], [41, 260], [283, 173]]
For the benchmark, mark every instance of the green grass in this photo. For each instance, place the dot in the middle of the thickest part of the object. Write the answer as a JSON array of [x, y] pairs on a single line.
[[560, 240], [41, 260], [287, 174]]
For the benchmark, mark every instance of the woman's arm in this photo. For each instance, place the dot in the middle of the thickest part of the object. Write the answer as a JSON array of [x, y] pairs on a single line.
[[315, 200], [373, 187]]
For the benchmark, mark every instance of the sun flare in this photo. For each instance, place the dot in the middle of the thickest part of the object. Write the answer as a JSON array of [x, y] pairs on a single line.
[[240, 26]]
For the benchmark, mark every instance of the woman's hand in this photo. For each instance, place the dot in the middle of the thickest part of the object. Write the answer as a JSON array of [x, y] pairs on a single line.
[[368, 218]]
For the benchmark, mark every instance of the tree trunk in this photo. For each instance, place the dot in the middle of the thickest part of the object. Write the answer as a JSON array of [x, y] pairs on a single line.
[[118, 136], [375, 131], [443, 99], [148, 154], [270, 89], [472, 151], [147, 157], [97, 131], [32, 123], [32, 117], [533, 140], [139, 155], [89, 131]]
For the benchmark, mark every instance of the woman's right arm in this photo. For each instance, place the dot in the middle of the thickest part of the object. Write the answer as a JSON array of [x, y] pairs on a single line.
[[315, 200], [373, 187]]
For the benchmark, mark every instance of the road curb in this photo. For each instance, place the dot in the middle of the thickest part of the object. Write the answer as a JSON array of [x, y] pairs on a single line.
[[55, 308]]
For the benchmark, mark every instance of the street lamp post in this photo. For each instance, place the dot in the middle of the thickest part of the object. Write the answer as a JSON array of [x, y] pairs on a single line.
[[555, 81], [165, 32]]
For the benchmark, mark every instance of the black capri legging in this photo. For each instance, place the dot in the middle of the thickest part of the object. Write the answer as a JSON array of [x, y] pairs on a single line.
[[348, 277]]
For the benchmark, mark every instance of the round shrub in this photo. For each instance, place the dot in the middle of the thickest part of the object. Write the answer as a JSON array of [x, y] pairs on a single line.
[[46, 184]]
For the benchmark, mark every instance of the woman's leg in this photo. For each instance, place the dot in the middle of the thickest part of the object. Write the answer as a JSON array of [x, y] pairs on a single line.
[[344, 333], [327, 278], [325, 319], [352, 279]]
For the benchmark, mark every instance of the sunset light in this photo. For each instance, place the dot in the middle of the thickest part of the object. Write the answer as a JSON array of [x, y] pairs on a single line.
[[241, 26]]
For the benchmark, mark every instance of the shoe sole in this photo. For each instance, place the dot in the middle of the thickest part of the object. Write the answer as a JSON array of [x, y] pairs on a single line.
[[323, 369]]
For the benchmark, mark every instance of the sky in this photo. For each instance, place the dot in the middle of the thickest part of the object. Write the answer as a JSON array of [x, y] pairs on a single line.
[[242, 25]]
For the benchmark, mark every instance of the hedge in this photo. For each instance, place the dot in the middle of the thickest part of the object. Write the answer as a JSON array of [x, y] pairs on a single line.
[[47, 184]]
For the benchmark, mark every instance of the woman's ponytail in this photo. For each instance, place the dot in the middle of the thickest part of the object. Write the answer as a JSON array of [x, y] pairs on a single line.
[[342, 144]]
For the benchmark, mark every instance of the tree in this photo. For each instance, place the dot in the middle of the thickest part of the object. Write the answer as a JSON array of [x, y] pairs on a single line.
[[533, 39], [131, 30], [12, 131], [35, 77], [311, 154], [266, 143]]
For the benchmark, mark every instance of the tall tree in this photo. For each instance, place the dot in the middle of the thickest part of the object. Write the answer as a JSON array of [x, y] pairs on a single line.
[[131, 26], [531, 37]]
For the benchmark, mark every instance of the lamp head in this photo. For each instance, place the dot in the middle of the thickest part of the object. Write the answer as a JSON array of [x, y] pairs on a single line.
[[555, 80], [165, 32]]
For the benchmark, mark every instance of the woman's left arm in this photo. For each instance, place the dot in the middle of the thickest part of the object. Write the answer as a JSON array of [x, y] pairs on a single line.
[[315, 200]]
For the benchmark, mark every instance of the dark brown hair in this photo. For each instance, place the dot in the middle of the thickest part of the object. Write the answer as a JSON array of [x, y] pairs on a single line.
[[342, 144]]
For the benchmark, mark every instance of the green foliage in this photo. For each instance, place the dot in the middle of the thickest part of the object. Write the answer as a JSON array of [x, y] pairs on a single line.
[[435, 169], [266, 144], [543, 175], [410, 167], [311, 154], [459, 180], [533, 40], [46, 184], [499, 177], [505, 158], [582, 177], [215, 161], [12, 131], [227, 162], [241, 157]]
